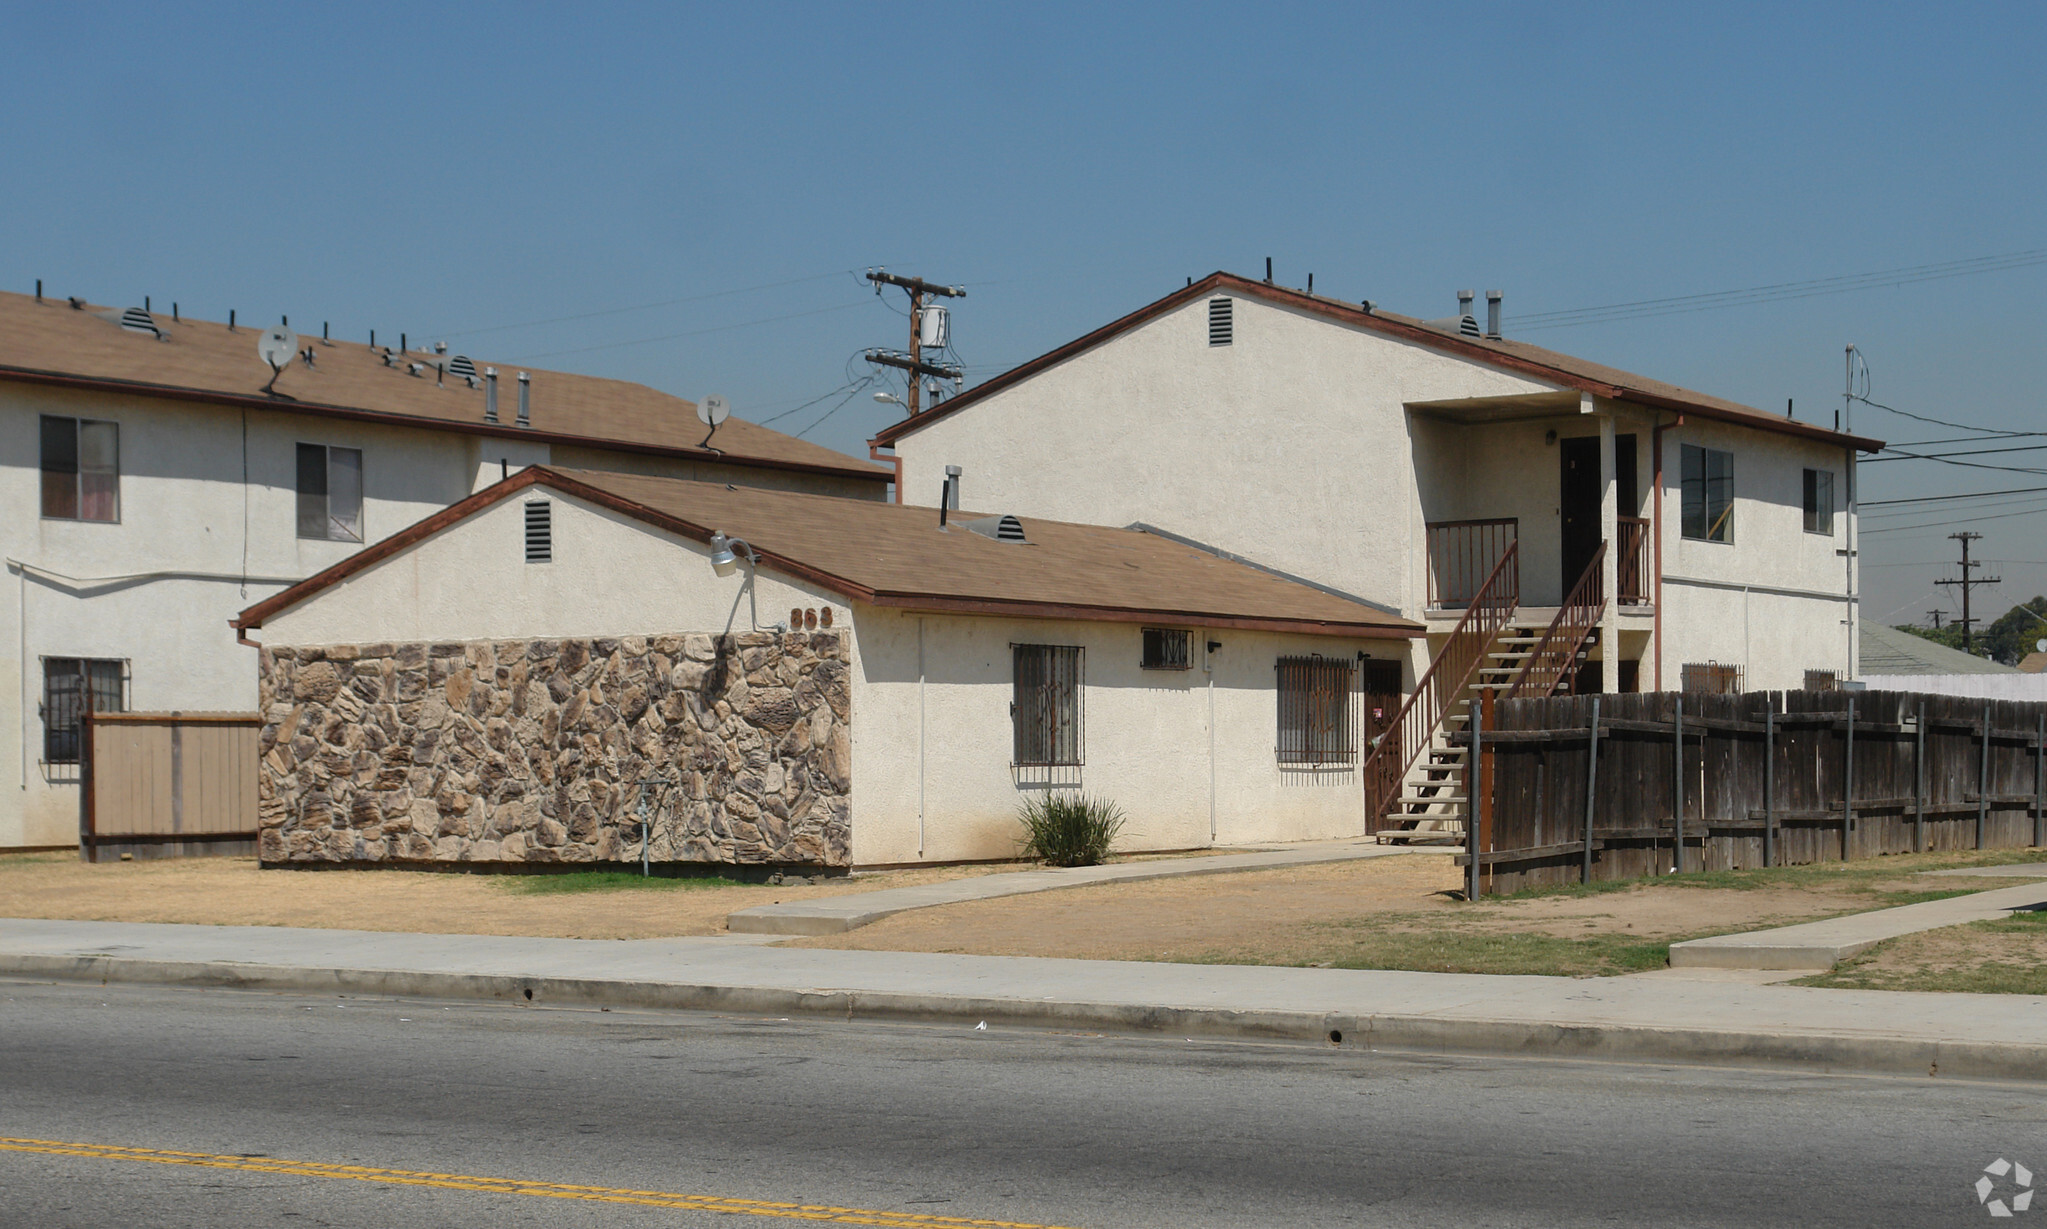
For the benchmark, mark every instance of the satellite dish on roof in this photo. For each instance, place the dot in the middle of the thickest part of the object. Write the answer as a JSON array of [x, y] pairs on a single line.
[[711, 411], [277, 347], [2040, 646]]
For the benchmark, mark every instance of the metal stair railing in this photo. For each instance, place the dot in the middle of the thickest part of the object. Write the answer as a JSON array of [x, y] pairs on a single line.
[[1414, 728], [1556, 655]]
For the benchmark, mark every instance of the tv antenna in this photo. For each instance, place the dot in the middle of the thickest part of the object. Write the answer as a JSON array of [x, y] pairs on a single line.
[[711, 411], [277, 347]]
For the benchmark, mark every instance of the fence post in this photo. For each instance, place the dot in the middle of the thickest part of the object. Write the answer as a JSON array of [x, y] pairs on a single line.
[[1591, 790], [1848, 782], [1919, 782], [2040, 783], [1677, 789], [1983, 779], [88, 802], [1475, 804], [1770, 781]]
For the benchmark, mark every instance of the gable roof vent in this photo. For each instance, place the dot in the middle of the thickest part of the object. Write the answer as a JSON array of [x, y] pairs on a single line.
[[1221, 325], [539, 531], [1000, 528]]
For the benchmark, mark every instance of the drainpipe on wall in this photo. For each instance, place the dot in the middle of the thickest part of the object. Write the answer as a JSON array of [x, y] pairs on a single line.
[[1208, 668], [1656, 532], [920, 733], [895, 459]]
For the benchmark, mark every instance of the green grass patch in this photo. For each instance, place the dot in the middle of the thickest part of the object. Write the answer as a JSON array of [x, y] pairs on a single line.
[[612, 881], [1859, 876], [1368, 943], [2007, 968]]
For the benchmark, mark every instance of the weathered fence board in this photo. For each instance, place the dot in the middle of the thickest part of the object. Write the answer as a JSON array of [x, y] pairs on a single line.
[[1721, 782], [158, 784]]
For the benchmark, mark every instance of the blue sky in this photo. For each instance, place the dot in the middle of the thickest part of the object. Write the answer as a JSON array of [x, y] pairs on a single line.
[[447, 170]]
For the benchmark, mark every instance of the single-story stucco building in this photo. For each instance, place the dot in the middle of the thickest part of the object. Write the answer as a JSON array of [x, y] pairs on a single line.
[[788, 679]]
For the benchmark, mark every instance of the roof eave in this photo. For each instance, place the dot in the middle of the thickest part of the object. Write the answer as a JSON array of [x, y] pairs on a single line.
[[937, 603], [172, 392]]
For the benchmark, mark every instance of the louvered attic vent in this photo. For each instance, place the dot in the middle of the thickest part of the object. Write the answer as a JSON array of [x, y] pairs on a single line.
[[539, 532], [136, 320], [461, 368], [1000, 528], [1221, 326]]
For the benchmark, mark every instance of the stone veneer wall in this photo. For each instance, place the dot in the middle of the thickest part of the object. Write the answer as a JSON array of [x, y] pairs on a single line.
[[532, 751]]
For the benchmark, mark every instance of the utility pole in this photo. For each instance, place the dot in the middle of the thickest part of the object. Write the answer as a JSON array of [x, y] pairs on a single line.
[[1967, 622], [1935, 615], [912, 361], [1852, 530]]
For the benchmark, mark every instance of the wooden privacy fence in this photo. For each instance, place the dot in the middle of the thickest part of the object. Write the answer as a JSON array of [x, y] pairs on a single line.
[[1695, 781], [168, 783]]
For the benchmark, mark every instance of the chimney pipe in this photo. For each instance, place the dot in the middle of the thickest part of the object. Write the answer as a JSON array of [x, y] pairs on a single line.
[[1492, 314], [230, 319], [1268, 270], [1464, 298], [490, 394], [952, 486], [525, 400], [944, 497]]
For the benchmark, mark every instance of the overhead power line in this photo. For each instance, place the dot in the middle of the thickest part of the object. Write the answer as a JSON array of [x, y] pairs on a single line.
[[1928, 499], [644, 307], [1778, 291], [721, 328]]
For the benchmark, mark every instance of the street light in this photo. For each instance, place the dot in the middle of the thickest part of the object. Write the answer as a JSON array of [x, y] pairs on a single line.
[[726, 554], [888, 398]]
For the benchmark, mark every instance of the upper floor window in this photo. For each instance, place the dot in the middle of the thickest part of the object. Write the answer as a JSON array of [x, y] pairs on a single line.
[[81, 469], [1708, 494], [330, 493], [1819, 501], [71, 685], [1315, 725], [1045, 706]]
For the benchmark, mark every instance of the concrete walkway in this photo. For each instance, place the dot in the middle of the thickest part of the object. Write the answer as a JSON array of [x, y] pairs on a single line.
[[1820, 945], [840, 913], [1713, 1020]]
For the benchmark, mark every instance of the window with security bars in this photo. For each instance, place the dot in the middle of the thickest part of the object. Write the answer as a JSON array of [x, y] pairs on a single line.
[[1166, 648], [330, 493], [81, 463], [1315, 722], [1045, 708], [539, 532], [1711, 677], [1222, 325], [70, 685]]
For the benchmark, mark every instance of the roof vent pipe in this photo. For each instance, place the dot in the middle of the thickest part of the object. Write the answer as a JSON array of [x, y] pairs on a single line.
[[490, 394], [525, 400], [1464, 298], [39, 290], [1492, 314]]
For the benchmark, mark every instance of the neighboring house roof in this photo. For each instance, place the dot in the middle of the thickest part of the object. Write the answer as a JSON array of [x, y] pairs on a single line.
[[889, 555], [2033, 663], [1517, 356], [47, 341], [1886, 650]]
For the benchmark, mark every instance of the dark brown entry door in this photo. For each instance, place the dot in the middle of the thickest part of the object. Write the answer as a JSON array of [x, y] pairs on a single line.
[[1578, 498], [1379, 685]]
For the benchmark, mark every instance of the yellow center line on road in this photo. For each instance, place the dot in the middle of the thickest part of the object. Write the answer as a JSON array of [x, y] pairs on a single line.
[[511, 1186]]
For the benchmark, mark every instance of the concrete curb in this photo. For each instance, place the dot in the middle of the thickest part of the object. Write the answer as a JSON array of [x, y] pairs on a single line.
[[1809, 1052]]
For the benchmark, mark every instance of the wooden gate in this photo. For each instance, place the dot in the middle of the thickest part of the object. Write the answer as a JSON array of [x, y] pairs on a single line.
[[168, 784]]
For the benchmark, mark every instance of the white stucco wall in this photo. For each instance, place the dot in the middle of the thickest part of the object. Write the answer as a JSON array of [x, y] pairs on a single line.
[[186, 509], [936, 744]]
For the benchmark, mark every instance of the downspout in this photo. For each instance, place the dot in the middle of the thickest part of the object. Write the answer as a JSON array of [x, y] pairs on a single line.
[[894, 459], [1208, 668], [1854, 602], [1656, 532], [920, 731]]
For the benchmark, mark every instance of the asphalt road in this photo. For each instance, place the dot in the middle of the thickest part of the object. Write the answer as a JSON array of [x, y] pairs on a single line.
[[261, 1094]]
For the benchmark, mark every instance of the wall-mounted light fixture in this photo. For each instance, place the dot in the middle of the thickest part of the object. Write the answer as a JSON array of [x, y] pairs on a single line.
[[1550, 436], [726, 555]]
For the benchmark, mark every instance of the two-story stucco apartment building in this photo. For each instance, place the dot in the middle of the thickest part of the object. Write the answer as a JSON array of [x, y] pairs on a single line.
[[1584, 526], [157, 476]]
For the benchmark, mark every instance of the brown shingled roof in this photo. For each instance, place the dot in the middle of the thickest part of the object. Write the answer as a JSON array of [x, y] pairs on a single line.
[[890, 555], [49, 342], [1564, 370]]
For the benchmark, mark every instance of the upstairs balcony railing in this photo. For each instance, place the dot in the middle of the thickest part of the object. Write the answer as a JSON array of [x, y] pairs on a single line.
[[1462, 556], [1631, 561]]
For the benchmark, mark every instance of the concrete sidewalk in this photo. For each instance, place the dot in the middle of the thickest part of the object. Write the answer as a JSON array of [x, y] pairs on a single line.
[[1822, 944], [834, 914], [1711, 1020]]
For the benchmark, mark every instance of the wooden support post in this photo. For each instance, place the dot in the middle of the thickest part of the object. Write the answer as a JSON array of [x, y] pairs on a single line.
[[1591, 790], [1919, 782], [2040, 783], [1677, 789], [1484, 765], [1983, 779], [1473, 804], [1848, 783], [1770, 782], [88, 817]]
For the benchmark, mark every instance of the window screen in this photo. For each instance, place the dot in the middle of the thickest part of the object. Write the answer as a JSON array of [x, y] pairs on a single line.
[[81, 462], [1708, 494], [1045, 708], [1711, 677], [330, 493], [69, 685], [1315, 710], [1819, 501], [1165, 648]]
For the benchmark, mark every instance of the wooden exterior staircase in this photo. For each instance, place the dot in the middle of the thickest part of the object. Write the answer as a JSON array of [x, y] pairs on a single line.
[[1416, 777]]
